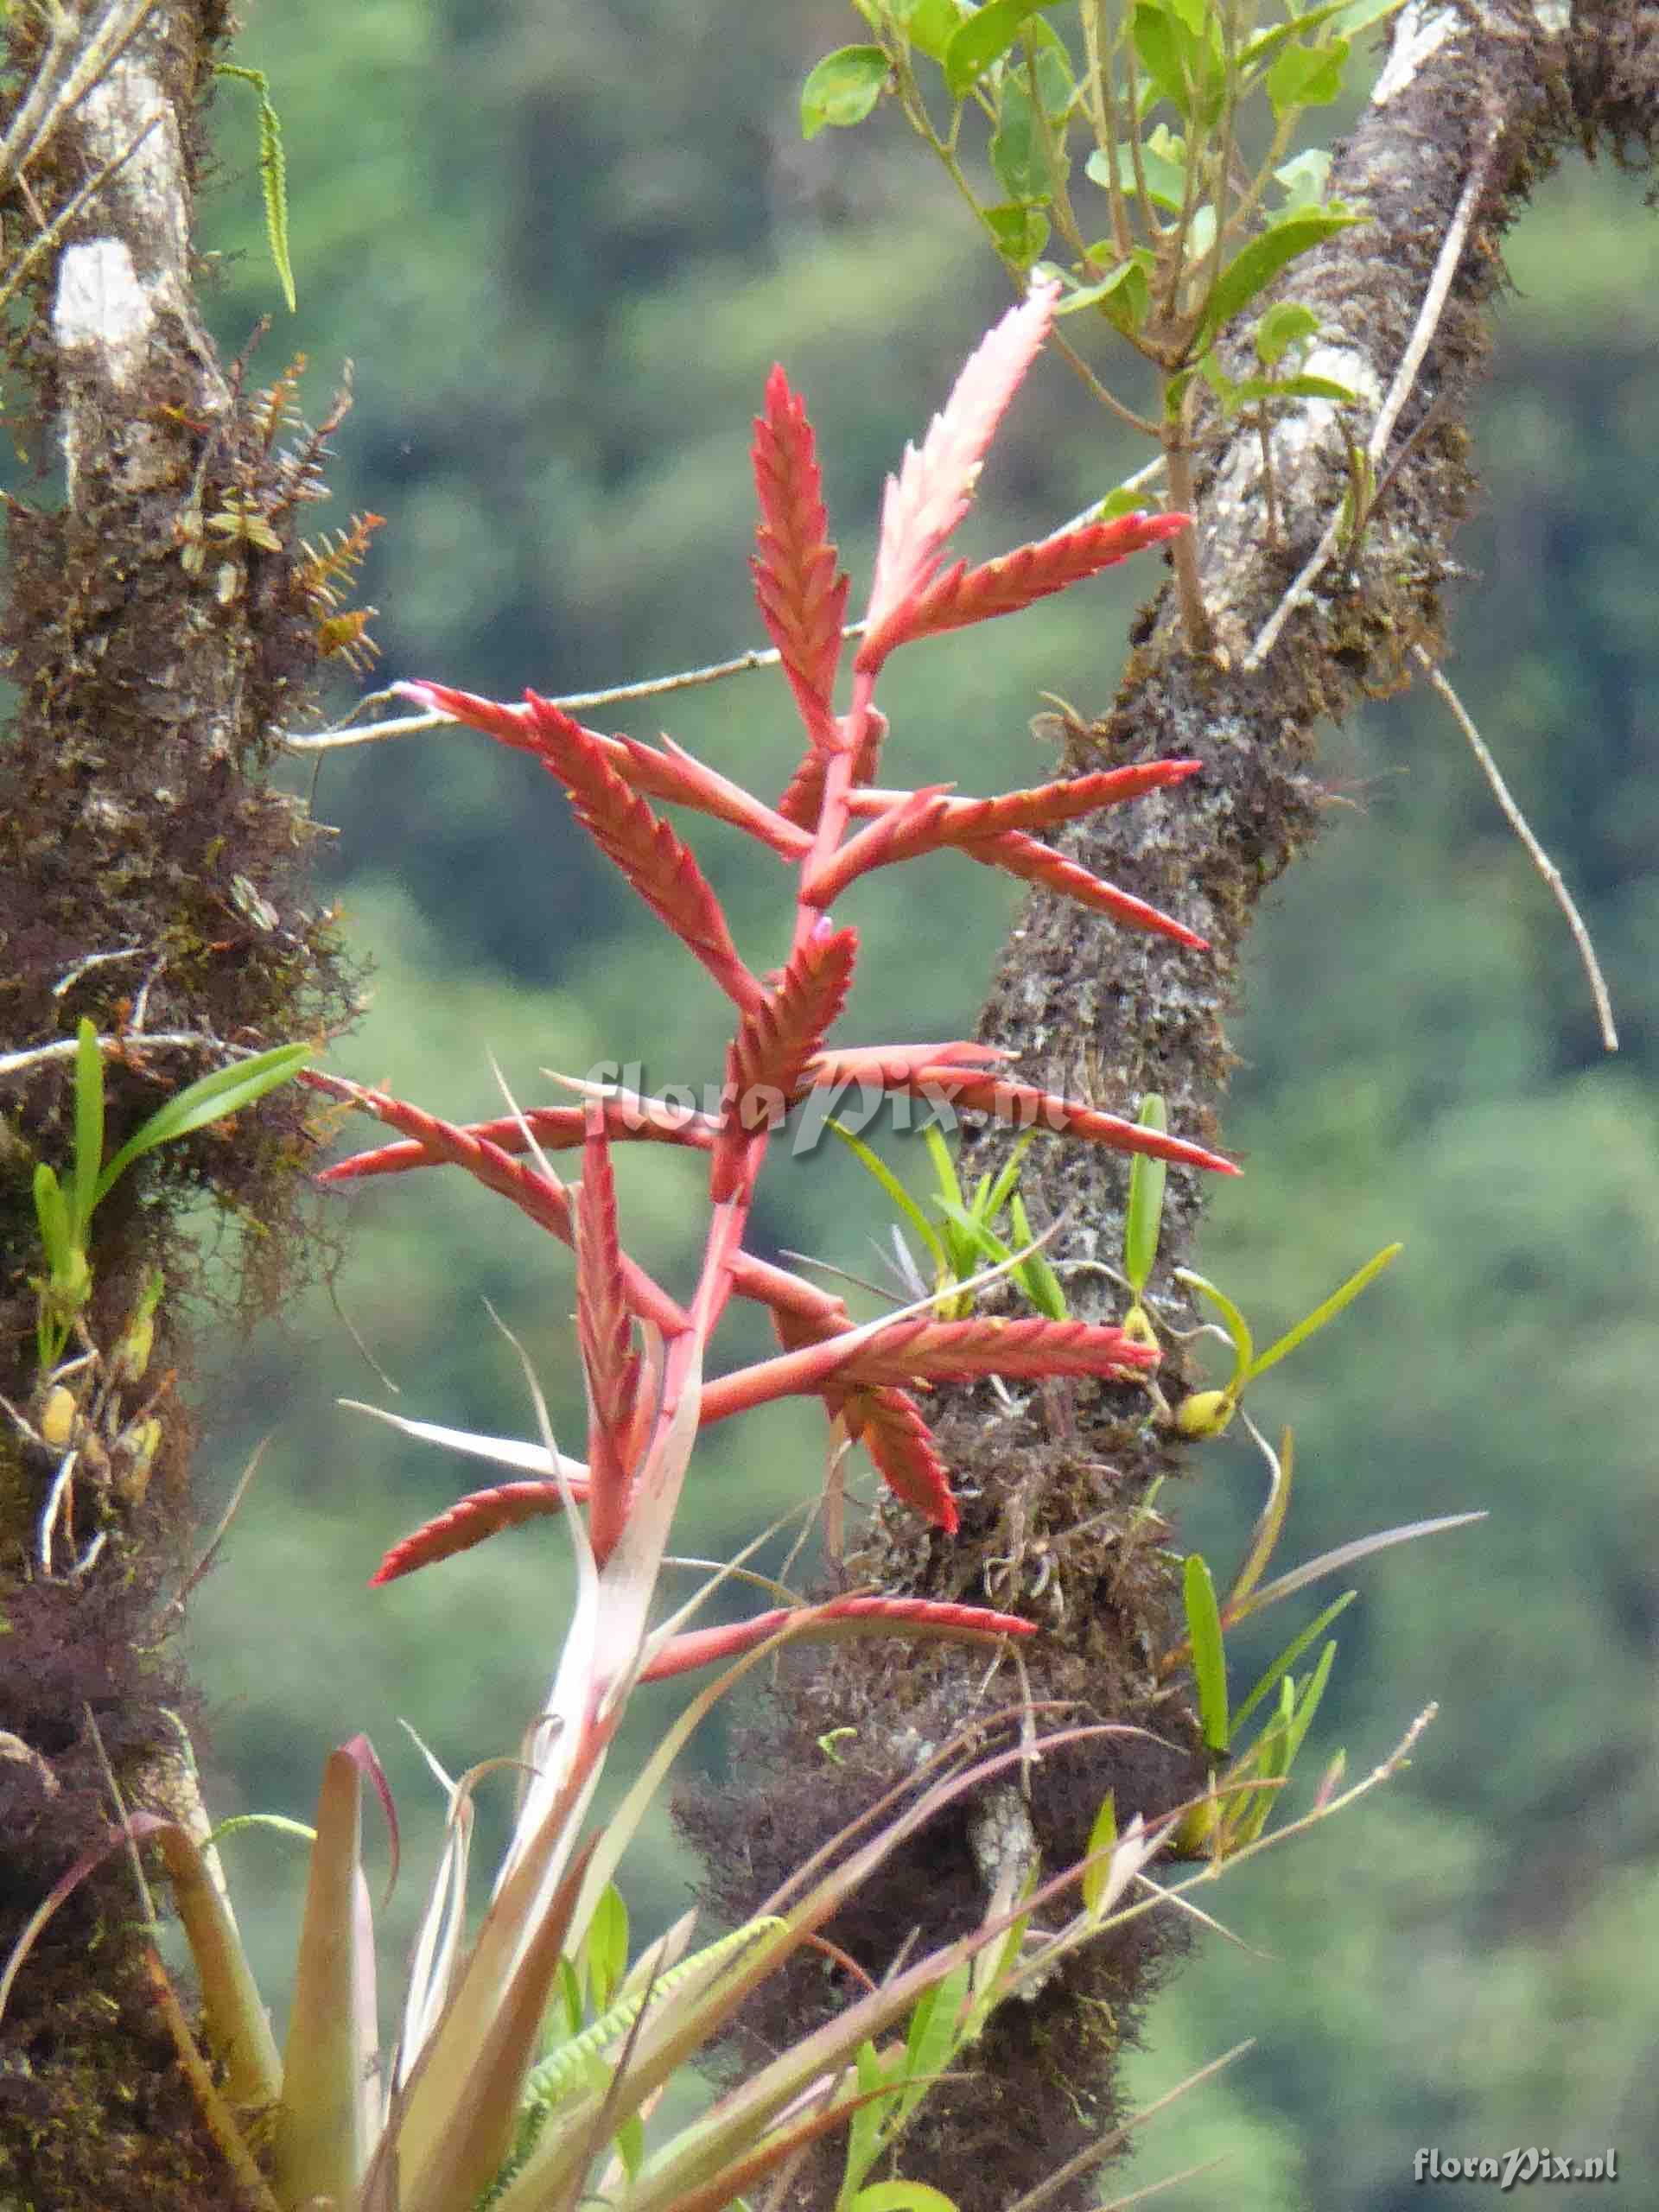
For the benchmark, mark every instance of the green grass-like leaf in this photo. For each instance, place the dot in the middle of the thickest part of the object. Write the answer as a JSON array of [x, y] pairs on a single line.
[[1209, 1654], [1291, 1652], [1143, 1221], [83, 1192], [1327, 1311]]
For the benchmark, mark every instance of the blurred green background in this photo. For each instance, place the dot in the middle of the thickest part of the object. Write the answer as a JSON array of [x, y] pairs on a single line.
[[562, 247]]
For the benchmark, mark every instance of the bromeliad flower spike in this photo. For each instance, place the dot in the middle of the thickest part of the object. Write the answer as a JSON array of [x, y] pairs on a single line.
[[642, 1352]]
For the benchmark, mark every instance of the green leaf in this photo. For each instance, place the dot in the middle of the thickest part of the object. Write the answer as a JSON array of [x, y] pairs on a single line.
[[930, 25], [875, 1165], [1327, 1311], [1237, 1327], [1126, 500], [970, 1238], [1264, 1537], [1163, 45], [945, 1168], [1019, 152], [902, 2196], [1103, 1839], [1175, 393], [1304, 179], [997, 1194], [1033, 1274], [984, 39], [84, 1190], [934, 2035], [1209, 367], [1359, 15], [1291, 1652], [1162, 165], [866, 2133], [843, 88], [1307, 1705], [1306, 76], [226, 1091], [1286, 323], [1260, 50], [1122, 296], [52, 1214], [629, 2140], [1250, 271], [1144, 1218], [1209, 1657], [1018, 233], [605, 1949], [1299, 387]]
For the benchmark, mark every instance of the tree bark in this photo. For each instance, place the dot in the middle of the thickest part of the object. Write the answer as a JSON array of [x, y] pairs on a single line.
[[158, 626]]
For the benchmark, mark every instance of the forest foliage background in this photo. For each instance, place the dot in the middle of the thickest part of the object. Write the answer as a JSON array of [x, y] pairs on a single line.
[[562, 247]]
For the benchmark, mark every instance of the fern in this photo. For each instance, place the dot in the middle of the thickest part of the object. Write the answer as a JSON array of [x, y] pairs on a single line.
[[273, 174], [566, 2069]]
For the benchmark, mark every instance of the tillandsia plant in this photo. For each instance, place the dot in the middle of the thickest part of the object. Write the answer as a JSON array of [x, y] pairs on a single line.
[[1188, 208], [833, 824], [526, 2063]]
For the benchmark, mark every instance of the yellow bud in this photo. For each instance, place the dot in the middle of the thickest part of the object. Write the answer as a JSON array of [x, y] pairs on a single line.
[[58, 1414], [1206, 1413], [132, 1354], [1138, 1328], [136, 1449]]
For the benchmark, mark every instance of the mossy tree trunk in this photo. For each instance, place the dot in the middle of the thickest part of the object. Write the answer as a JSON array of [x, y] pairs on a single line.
[[159, 622], [1476, 107]]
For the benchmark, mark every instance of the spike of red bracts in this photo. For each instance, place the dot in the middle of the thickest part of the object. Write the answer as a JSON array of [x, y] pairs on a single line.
[[631, 1117], [646, 850], [628, 1117], [802, 600], [1025, 1108], [766, 1061], [672, 773], [896, 1064], [1019, 579], [703, 1646], [890, 1426], [1042, 806], [470, 1520], [546, 1203], [884, 1421], [900, 1353], [989, 831], [604, 1334], [1038, 863]]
